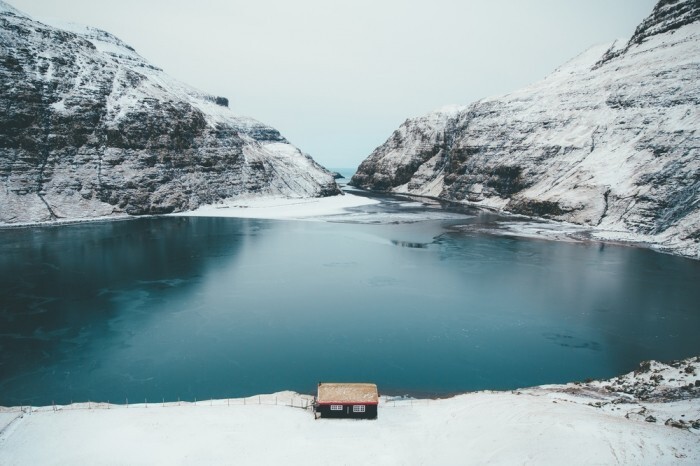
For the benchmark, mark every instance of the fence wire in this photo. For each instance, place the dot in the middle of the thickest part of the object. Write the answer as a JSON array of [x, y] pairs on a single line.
[[293, 401]]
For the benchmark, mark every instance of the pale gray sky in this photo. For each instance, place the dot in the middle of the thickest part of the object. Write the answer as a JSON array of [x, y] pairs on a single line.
[[336, 78]]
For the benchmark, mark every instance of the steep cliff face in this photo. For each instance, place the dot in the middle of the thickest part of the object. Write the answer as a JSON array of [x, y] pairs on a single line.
[[89, 128], [609, 140]]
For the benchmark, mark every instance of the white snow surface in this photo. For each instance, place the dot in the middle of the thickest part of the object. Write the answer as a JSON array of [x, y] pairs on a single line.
[[550, 425], [280, 207], [4, 7], [159, 84]]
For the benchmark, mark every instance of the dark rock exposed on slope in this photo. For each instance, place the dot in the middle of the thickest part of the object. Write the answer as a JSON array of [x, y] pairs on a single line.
[[609, 140], [89, 128]]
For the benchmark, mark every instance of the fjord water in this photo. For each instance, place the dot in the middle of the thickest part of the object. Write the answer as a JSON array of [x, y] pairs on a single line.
[[177, 307]]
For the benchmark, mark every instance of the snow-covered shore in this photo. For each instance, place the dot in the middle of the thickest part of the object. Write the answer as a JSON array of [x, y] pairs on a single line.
[[286, 208], [340, 207], [274, 207], [280, 207], [645, 417]]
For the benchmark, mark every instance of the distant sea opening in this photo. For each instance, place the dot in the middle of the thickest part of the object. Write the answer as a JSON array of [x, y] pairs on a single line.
[[404, 294]]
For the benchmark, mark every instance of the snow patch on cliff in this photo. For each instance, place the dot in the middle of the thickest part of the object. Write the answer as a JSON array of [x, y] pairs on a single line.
[[92, 129], [608, 141]]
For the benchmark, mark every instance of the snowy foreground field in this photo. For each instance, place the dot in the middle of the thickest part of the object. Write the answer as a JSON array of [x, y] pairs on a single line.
[[646, 417]]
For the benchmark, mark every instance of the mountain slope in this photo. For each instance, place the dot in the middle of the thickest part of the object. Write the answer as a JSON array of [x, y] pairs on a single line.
[[609, 140], [89, 128]]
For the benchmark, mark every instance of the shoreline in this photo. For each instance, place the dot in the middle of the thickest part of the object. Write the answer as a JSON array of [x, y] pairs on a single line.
[[262, 207], [280, 207], [643, 417], [273, 207], [553, 230], [653, 381]]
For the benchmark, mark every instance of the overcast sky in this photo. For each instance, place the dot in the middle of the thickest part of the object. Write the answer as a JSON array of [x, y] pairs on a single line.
[[336, 78]]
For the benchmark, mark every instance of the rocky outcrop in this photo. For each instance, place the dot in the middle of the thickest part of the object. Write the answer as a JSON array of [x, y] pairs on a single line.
[[657, 392], [89, 128], [609, 140]]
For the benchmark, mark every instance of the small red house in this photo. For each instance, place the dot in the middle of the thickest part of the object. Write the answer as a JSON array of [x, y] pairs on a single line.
[[347, 400]]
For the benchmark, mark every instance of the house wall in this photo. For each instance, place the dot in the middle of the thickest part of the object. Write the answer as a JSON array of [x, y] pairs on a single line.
[[347, 411]]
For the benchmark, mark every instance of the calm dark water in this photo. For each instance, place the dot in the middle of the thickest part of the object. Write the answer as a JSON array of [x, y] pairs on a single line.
[[174, 308]]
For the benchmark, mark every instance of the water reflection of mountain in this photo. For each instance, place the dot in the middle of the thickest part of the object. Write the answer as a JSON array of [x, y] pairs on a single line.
[[58, 284], [181, 308]]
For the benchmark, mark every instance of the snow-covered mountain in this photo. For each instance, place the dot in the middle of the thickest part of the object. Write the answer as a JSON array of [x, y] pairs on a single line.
[[609, 140], [89, 128]]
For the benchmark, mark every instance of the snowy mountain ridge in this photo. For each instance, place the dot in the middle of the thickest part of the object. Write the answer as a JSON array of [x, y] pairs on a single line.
[[609, 140], [92, 129], [7, 8]]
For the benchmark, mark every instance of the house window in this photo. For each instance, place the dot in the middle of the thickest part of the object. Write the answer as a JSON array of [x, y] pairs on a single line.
[[336, 407], [358, 409]]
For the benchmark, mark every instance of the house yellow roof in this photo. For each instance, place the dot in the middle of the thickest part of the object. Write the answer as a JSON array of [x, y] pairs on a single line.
[[347, 393]]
